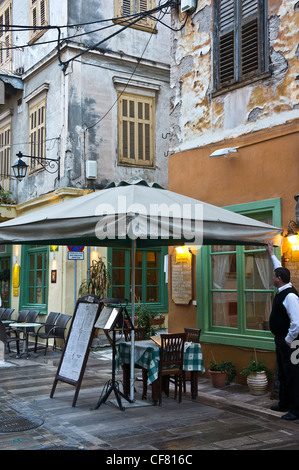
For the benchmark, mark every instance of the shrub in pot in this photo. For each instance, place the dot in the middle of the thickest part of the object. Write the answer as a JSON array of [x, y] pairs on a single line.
[[222, 374], [258, 376]]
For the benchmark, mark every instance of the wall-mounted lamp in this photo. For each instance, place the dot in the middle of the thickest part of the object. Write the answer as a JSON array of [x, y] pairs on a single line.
[[182, 253], [19, 169], [292, 232], [223, 152]]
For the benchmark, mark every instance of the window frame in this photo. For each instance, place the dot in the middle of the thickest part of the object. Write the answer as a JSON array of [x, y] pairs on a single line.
[[5, 153], [136, 121], [162, 305], [132, 7], [239, 336], [37, 147], [27, 251], [6, 62], [36, 18], [234, 30]]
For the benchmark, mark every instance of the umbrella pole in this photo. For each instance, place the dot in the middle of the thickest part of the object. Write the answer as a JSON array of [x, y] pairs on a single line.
[[133, 253]]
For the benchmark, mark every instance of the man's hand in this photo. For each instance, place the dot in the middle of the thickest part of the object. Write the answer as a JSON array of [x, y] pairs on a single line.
[[269, 248]]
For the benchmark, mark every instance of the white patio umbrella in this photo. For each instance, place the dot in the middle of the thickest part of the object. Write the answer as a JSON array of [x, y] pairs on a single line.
[[135, 214]]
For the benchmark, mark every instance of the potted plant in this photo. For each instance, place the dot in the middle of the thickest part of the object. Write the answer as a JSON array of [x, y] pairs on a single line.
[[144, 319], [222, 374], [98, 280], [258, 376]]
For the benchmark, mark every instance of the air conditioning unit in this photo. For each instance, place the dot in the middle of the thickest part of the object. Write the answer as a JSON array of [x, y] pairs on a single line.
[[91, 170], [188, 6]]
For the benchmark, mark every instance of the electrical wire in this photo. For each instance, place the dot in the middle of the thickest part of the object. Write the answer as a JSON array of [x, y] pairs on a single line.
[[136, 18]]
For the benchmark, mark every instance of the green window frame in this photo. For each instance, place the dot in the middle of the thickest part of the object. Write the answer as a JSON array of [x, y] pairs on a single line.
[[34, 278], [241, 292], [150, 285]]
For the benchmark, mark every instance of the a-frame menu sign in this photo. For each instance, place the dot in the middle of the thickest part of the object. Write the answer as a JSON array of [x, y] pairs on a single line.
[[77, 346]]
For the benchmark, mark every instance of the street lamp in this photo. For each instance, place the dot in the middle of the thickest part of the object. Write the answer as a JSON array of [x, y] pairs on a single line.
[[19, 169]]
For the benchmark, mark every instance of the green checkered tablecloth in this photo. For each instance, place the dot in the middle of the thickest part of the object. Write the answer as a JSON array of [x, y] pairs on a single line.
[[147, 355]]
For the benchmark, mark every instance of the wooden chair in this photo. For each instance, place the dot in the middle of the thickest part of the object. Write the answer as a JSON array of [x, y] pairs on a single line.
[[192, 336], [139, 334], [171, 361]]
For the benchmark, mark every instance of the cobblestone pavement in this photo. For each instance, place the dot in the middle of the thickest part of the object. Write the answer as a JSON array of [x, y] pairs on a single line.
[[219, 419]]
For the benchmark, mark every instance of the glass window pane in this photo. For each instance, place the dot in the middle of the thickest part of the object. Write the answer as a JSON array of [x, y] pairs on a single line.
[[138, 276], [31, 295], [152, 294], [258, 271], [118, 258], [118, 276], [31, 262], [152, 259], [118, 292], [224, 271], [225, 309], [219, 248], [258, 308], [152, 277]]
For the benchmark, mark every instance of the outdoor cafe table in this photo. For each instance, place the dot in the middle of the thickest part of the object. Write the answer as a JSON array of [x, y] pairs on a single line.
[[147, 355], [24, 327]]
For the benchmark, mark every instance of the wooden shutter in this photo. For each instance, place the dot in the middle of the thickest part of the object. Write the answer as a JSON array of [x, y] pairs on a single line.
[[250, 38], [226, 42], [37, 132], [136, 130], [240, 49], [5, 36], [38, 17], [125, 8], [5, 151]]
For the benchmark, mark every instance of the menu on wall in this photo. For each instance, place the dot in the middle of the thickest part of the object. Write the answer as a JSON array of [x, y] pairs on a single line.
[[78, 341], [182, 279]]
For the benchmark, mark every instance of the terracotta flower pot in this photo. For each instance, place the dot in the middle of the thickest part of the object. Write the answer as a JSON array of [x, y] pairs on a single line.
[[218, 378], [157, 321]]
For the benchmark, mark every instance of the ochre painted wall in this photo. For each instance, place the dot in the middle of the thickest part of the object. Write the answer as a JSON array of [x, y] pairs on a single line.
[[266, 166]]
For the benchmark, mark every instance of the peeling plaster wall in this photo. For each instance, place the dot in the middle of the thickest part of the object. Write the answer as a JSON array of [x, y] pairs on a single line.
[[81, 104], [197, 117]]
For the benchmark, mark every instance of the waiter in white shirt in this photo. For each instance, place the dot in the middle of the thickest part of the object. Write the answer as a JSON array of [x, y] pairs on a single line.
[[284, 324]]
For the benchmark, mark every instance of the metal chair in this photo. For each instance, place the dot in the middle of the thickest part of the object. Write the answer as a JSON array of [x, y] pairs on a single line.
[[2, 310], [23, 314], [47, 326], [7, 314], [13, 334], [171, 361], [55, 332], [192, 336]]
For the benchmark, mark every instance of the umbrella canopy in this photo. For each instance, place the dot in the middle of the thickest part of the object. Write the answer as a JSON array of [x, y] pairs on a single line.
[[148, 214], [135, 214]]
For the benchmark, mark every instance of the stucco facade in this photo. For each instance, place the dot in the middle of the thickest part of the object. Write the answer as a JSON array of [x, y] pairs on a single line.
[[257, 117], [79, 79]]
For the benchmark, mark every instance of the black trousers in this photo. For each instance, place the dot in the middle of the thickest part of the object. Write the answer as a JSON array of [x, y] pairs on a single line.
[[288, 375]]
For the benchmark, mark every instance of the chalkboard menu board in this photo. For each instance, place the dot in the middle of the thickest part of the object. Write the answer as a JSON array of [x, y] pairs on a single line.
[[76, 350], [181, 274]]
